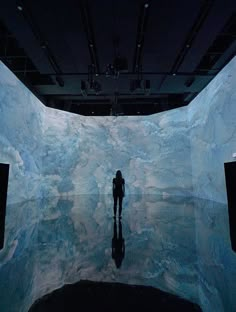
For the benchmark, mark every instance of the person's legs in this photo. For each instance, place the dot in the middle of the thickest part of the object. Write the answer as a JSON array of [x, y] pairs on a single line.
[[115, 204], [120, 205]]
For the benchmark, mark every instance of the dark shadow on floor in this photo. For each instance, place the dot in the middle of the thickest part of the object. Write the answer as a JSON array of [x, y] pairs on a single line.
[[101, 296]]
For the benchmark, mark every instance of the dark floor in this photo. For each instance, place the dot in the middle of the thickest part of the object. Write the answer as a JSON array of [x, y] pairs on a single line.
[[100, 296]]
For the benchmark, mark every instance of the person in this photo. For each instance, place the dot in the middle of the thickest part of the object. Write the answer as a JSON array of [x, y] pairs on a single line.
[[118, 191], [118, 245]]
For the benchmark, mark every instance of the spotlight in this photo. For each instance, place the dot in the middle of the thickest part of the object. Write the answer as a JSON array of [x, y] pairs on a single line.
[[96, 86], [147, 86], [110, 70], [138, 85], [135, 84], [83, 88]]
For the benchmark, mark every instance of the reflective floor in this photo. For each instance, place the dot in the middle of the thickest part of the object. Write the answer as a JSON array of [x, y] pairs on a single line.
[[179, 245]]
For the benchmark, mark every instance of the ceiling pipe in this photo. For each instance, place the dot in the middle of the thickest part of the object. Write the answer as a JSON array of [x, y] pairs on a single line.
[[142, 27], [26, 13], [199, 21], [204, 12], [88, 28]]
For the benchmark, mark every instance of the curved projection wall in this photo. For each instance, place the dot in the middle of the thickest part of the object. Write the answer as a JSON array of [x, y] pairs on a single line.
[[57, 153], [212, 125], [178, 152], [82, 154], [20, 137]]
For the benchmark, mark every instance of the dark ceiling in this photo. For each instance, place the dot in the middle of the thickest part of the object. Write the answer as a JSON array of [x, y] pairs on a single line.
[[123, 57]]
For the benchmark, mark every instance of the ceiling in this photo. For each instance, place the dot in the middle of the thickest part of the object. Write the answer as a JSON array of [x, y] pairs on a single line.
[[123, 57]]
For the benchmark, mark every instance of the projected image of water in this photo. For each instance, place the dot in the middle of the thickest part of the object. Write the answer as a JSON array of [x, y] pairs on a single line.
[[176, 244]]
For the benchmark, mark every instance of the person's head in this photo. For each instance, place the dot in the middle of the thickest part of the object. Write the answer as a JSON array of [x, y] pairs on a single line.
[[118, 174]]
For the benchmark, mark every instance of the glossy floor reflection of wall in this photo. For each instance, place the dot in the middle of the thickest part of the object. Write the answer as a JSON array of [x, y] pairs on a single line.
[[180, 245], [216, 260]]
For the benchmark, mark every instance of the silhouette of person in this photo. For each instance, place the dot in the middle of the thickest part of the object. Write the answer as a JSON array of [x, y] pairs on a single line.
[[118, 245], [118, 191]]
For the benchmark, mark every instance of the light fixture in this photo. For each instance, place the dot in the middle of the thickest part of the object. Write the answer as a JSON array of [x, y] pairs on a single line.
[[147, 86], [135, 84], [110, 71], [140, 85], [120, 64], [95, 86], [92, 84], [83, 88], [146, 5]]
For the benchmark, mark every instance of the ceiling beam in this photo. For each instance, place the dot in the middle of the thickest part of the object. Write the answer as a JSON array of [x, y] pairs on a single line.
[[131, 74]]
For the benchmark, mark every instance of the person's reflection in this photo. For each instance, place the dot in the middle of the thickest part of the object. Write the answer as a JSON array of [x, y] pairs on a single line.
[[118, 245]]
